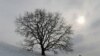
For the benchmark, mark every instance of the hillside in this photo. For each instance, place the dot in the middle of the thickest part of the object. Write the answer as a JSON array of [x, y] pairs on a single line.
[[9, 50]]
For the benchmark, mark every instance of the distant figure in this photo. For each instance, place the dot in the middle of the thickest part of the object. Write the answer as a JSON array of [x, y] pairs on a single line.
[[80, 55]]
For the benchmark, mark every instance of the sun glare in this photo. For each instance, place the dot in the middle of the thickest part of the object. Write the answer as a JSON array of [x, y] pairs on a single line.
[[81, 20]]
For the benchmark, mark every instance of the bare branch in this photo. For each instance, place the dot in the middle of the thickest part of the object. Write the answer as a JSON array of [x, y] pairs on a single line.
[[46, 29]]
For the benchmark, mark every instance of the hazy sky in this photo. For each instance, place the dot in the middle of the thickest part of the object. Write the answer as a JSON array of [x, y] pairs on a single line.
[[86, 36]]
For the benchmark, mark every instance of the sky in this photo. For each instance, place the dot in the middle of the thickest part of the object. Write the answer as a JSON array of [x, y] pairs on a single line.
[[86, 36]]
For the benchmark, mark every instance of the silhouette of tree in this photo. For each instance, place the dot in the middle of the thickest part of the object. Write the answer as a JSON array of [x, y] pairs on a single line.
[[45, 29]]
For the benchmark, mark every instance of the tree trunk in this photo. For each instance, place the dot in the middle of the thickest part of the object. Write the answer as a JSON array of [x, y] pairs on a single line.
[[42, 51]]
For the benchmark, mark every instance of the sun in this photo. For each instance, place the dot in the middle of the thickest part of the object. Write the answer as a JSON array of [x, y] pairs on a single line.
[[80, 20]]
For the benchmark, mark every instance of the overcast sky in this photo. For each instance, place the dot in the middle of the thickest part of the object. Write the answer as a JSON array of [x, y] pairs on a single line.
[[86, 36]]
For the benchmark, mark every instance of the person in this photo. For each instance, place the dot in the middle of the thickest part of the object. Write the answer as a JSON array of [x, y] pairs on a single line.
[[80, 55]]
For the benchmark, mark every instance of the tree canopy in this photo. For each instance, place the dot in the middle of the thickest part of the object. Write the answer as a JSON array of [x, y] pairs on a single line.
[[45, 29]]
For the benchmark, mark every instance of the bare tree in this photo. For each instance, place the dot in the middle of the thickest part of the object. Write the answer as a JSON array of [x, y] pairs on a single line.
[[46, 29]]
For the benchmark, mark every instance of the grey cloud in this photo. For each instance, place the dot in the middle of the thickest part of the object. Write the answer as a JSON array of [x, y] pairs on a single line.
[[78, 39], [95, 24], [10, 9]]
